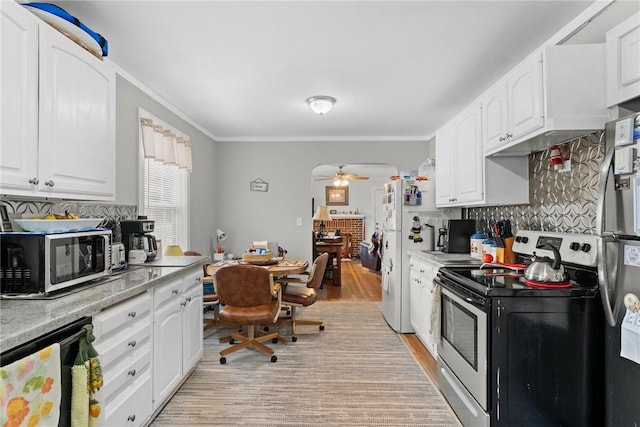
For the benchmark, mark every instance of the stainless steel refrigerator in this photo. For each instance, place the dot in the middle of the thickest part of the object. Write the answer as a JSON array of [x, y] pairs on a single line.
[[618, 224]]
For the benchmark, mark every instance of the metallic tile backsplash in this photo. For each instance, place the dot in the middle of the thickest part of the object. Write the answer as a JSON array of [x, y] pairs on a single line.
[[112, 214], [559, 201]]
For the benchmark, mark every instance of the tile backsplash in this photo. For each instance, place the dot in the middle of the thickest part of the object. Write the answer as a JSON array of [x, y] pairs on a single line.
[[112, 214], [559, 201]]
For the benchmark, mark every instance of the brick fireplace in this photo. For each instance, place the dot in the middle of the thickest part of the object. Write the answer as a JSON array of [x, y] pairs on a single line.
[[352, 229]]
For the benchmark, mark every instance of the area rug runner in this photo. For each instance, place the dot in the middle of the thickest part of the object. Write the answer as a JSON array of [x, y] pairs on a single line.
[[357, 372]]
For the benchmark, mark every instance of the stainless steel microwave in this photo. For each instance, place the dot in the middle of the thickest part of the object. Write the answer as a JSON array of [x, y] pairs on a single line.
[[39, 263]]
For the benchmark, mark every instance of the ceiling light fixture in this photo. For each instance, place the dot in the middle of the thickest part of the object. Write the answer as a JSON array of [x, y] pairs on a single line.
[[340, 182], [321, 104]]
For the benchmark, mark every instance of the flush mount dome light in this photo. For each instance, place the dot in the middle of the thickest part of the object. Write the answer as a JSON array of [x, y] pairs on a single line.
[[321, 104]]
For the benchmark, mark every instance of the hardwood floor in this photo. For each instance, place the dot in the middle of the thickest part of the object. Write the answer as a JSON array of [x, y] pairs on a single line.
[[361, 284]]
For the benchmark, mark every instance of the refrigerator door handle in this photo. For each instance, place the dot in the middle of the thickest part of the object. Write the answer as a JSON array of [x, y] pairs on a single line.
[[603, 278], [607, 163]]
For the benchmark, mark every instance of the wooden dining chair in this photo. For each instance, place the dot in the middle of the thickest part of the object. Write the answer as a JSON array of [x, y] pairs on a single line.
[[300, 291]]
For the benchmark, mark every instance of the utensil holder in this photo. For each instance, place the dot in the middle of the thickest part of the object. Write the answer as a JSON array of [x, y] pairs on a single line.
[[509, 256]]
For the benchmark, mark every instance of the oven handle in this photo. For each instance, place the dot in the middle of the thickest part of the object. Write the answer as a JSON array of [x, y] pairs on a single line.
[[478, 303]]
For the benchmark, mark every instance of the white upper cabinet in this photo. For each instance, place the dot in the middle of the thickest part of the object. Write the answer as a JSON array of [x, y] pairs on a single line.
[[63, 144], [76, 119], [524, 98], [623, 61], [19, 99], [554, 95], [464, 177]]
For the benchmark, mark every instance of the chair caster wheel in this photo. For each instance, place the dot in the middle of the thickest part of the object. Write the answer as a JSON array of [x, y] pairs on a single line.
[[274, 358], [223, 360], [232, 341], [274, 340], [266, 329], [321, 327], [294, 338]]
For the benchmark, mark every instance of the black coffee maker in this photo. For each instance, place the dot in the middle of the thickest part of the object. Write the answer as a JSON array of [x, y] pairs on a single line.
[[136, 235]]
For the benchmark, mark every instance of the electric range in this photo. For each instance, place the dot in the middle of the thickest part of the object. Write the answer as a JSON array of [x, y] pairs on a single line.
[[515, 354]]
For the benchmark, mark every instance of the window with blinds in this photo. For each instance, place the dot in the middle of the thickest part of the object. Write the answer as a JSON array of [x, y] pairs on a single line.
[[165, 202]]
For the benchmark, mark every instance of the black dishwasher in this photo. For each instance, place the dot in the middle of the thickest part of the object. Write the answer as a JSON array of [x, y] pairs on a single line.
[[68, 337]]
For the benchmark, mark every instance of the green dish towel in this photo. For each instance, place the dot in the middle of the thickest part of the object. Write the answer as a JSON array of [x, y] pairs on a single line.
[[87, 353], [85, 408]]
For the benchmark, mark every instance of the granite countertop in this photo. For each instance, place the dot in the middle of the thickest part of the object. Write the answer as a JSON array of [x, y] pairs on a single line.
[[22, 320], [446, 259]]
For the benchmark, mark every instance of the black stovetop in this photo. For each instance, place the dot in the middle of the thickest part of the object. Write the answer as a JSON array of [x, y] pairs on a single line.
[[506, 282]]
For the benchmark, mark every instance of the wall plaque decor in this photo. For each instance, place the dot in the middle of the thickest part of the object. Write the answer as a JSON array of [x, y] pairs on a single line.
[[259, 185]]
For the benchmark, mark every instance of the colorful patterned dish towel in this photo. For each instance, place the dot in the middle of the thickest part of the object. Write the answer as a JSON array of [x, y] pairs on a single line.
[[86, 380], [30, 390]]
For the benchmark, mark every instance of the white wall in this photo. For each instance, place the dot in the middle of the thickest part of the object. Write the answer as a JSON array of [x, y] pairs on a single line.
[[287, 167], [202, 200]]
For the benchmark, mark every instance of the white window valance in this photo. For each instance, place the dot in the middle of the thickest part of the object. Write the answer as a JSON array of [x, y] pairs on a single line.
[[165, 145]]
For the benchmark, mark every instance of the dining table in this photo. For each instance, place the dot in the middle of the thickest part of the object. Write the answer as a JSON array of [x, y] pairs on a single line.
[[278, 267]]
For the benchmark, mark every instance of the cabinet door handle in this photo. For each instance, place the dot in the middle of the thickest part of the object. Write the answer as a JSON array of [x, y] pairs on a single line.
[[132, 343], [184, 304], [502, 138], [188, 299], [132, 314], [509, 135], [131, 417], [199, 279], [34, 181], [132, 372], [49, 183], [175, 291]]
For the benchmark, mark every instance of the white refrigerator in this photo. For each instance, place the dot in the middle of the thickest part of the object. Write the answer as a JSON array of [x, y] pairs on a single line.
[[401, 233]]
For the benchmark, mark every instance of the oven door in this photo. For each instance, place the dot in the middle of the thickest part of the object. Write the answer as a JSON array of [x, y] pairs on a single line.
[[74, 258], [463, 345]]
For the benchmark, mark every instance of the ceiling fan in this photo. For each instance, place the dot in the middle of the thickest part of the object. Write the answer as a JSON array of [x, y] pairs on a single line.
[[341, 179]]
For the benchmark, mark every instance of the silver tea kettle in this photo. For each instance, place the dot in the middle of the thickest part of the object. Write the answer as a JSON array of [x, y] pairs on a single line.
[[545, 269]]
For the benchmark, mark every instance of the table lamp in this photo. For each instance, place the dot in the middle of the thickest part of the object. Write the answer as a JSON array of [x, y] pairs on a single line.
[[219, 252], [174, 250], [322, 215]]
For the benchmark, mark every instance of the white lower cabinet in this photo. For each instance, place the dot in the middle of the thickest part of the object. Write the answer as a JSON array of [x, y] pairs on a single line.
[[148, 345], [177, 333], [123, 341], [422, 293]]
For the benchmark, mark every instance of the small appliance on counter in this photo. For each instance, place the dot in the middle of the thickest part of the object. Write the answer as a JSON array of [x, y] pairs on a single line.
[[118, 258], [41, 263], [455, 237], [136, 235]]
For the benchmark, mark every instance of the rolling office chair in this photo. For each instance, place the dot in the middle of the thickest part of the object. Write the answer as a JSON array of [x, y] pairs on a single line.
[[249, 297], [301, 292]]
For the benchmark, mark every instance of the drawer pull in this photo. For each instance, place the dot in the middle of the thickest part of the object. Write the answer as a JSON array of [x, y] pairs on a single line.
[[184, 304], [132, 314], [199, 279], [188, 299], [132, 343], [49, 183], [34, 181], [132, 372], [175, 291], [131, 417]]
